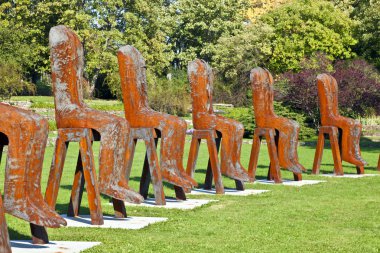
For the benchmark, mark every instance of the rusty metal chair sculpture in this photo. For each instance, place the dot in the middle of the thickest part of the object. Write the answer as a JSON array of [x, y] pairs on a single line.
[[140, 116], [77, 122], [281, 133], [344, 133], [212, 127], [26, 134], [378, 164]]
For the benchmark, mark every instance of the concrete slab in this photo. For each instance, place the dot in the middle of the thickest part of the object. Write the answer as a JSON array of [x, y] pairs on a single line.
[[174, 204], [349, 175], [24, 246], [112, 222], [230, 192], [291, 182]]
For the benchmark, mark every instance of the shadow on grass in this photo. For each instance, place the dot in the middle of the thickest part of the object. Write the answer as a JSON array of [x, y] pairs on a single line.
[[15, 235]]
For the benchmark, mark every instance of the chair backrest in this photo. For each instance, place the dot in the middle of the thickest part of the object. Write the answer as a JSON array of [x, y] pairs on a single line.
[[134, 87], [262, 93], [201, 81], [328, 96], [66, 55]]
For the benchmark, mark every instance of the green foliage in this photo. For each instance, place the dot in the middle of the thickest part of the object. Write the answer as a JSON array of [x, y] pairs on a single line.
[[305, 27], [198, 24], [246, 117], [12, 80], [235, 56], [103, 26], [52, 125], [367, 13], [171, 95]]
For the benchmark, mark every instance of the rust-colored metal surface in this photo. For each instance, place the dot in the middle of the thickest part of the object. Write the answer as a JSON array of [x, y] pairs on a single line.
[[333, 134], [265, 117], [211, 137], [140, 115], [26, 134], [67, 64], [378, 164], [86, 161], [330, 117], [5, 245], [201, 80], [274, 169]]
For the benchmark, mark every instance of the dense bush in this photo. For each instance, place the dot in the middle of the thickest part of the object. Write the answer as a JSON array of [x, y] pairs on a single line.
[[12, 80], [171, 94], [359, 88], [358, 82]]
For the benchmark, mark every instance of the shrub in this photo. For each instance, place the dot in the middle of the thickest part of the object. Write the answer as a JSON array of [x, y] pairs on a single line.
[[358, 82], [171, 95], [12, 80], [359, 88]]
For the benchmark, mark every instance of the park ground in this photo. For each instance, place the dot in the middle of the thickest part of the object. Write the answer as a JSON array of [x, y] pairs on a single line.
[[340, 215]]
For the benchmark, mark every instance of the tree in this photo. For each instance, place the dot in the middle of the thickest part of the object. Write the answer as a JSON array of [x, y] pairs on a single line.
[[305, 27], [235, 56], [367, 13], [103, 27], [197, 25], [358, 87]]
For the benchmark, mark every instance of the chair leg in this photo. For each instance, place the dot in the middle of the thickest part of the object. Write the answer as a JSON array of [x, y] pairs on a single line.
[[145, 175], [360, 169], [77, 190], [254, 156], [192, 159], [5, 245], [318, 153], [378, 164], [154, 170], [274, 163], [119, 208], [338, 170], [193, 155], [209, 176], [39, 234], [211, 145], [56, 171], [1, 152], [91, 181]]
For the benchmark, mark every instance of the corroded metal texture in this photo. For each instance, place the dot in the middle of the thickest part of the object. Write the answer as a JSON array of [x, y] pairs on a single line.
[[270, 137], [333, 133], [265, 117], [211, 137], [5, 245], [201, 80], [351, 129], [71, 112], [27, 134], [86, 160], [140, 115]]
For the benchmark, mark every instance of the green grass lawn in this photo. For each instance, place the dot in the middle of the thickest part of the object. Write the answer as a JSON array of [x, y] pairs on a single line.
[[341, 215]]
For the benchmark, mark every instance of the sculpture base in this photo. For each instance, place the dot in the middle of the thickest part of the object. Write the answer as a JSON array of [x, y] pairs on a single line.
[[24, 246]]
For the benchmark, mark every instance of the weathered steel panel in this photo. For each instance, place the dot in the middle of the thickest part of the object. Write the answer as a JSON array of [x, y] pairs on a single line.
[[265, 117]]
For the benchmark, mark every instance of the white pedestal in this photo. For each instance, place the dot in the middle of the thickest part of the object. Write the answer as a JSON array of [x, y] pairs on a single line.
[[112, 222], [174, 204], [230, 192], [23, 246], [290, 182]]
